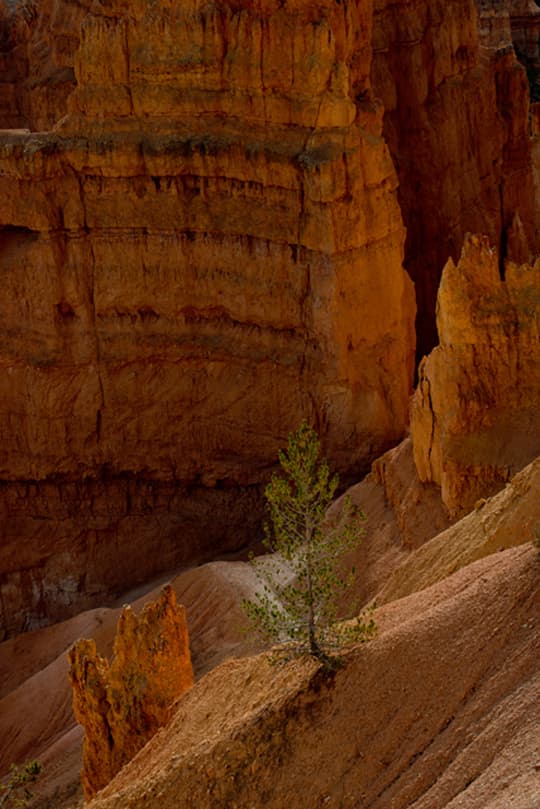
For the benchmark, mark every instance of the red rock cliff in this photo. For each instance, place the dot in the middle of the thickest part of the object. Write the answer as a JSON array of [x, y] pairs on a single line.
[[456, 120], [206, 250]]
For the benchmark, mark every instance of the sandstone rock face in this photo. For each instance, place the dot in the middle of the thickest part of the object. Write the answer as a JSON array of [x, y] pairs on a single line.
[[475, 419], [205, 251], [13, 68], [456, 121], [416, 504], [38, 41], [122, 705], [494, 26], [525, 22]]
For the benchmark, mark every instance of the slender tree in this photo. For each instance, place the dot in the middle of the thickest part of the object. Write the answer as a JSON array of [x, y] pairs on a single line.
[[305, 576]]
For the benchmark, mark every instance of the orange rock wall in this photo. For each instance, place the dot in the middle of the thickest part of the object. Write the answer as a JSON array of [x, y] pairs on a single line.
[[205, 251], [206, 248], [13, 68], [122, 705], [456, 121], [475, 419]]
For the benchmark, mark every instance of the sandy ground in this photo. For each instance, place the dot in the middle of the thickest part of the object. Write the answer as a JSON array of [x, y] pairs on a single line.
[[33, 667], [441, 710]]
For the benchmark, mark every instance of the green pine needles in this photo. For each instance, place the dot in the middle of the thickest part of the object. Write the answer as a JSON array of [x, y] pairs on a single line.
[[14, 791], [303, 580]]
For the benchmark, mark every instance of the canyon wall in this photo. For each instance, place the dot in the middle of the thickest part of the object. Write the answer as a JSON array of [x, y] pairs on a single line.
[[204, 251], [13, 69], [456, 121], [475, 419], [201, 244]]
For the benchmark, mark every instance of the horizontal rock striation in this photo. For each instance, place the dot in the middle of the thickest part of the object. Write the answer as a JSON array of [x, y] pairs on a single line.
[[475, 419], [206, 250]]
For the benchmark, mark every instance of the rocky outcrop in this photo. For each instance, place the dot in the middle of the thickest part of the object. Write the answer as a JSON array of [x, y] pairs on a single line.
[[456, 120], [121, 705], [205, 251], [207, 248], [475, 419]]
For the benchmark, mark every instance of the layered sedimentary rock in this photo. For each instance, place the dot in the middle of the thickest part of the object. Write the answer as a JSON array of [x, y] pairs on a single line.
[[509, 518], [475, 419], [122, 705], [205, 251], [38, 41], [13, 67], [456, 121]]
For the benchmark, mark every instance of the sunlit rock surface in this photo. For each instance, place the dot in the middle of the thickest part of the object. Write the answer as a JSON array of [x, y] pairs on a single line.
[[475, 419], [121, 705]]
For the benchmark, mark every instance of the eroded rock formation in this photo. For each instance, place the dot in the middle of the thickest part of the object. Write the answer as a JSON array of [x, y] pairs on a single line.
[[206, 250], [121, 705], [475, 419], [456, 121]]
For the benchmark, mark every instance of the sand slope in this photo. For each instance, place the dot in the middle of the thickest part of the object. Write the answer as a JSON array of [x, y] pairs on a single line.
[[35, 699], [441, 710]]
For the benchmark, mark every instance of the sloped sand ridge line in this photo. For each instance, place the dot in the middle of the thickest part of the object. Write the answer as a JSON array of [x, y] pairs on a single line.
[[508, 519], [440, 710]]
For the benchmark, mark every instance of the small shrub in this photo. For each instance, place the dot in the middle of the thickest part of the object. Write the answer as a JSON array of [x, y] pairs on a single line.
[[14, 792]]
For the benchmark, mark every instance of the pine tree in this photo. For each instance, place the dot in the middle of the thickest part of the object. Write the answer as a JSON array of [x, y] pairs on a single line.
[[302, 610], [14, 792]]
